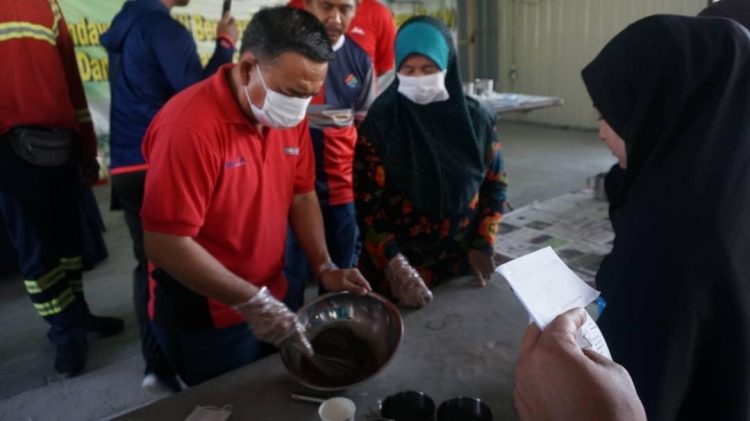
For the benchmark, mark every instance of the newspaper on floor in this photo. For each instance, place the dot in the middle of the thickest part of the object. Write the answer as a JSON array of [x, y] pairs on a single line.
[[576, 225]]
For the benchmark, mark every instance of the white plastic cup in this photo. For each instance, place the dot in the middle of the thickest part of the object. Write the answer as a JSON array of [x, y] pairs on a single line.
[[337, 409], [484, 87]]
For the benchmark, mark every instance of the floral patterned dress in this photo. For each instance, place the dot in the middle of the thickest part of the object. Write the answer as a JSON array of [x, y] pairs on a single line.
[[437, 248]]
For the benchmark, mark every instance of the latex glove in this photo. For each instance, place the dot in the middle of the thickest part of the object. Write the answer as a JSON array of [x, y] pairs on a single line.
[[406, 284], [481, 264], [557, 380], [271, 321]]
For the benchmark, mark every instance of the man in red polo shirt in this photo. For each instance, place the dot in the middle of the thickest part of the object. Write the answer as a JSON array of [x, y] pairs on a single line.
[[230, 162], [374, 30]]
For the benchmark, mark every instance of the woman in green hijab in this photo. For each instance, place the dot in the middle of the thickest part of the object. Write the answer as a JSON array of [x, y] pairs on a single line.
[[428, 177]]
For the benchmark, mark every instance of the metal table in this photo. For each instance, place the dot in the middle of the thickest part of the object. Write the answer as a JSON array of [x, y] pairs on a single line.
[[464, 343], [506, 102]]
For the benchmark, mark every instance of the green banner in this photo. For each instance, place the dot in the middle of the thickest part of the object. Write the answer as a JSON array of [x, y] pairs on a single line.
[[86, 23]]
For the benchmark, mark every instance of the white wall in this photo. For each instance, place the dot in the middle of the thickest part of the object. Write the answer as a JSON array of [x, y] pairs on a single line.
[[548, 42]]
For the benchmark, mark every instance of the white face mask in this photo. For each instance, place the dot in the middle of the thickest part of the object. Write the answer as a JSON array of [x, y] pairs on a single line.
[[423, 89], [279, 110]]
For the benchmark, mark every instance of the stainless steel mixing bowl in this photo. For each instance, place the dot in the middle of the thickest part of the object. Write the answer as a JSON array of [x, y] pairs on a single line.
[[372, 318]]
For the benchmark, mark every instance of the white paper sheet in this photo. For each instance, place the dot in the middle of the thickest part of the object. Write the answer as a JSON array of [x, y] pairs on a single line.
[[547, 288], [210, 413]]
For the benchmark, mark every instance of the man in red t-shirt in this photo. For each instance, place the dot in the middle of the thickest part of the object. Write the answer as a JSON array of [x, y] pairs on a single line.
[[374, 30], [230, 162]]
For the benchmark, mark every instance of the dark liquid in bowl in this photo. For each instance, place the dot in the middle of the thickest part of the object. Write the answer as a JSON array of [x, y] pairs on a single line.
[[343, 344]]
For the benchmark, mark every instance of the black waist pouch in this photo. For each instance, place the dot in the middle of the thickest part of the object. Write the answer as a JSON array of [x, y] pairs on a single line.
[[42, 146]]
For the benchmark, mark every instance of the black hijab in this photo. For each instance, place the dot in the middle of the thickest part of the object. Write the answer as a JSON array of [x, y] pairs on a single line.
[[435, 154], [738, 10], [677, 283]]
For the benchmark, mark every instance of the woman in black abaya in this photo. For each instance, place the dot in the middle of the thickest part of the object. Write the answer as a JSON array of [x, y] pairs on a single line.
[[738, 10], [674, 96]]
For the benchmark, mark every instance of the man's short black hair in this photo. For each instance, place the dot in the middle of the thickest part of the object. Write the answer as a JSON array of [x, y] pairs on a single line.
[[277, 30]]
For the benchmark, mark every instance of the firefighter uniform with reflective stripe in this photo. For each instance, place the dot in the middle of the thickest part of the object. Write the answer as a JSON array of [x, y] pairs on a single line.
[[41, 87], [39, 77]]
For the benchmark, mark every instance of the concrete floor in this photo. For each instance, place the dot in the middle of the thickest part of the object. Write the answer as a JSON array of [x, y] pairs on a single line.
[[541, 163]]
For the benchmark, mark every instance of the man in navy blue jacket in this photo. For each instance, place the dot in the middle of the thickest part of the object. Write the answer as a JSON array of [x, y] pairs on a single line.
[[152, 57], [347, 93]]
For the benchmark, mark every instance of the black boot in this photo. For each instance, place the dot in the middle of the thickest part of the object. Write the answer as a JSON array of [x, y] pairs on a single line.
[[71, 355], [103, 326], [100, 326]]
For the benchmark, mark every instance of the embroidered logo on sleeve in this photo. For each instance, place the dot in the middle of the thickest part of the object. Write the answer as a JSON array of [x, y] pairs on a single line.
[[290, 150], [351, 81], [234, 163]]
